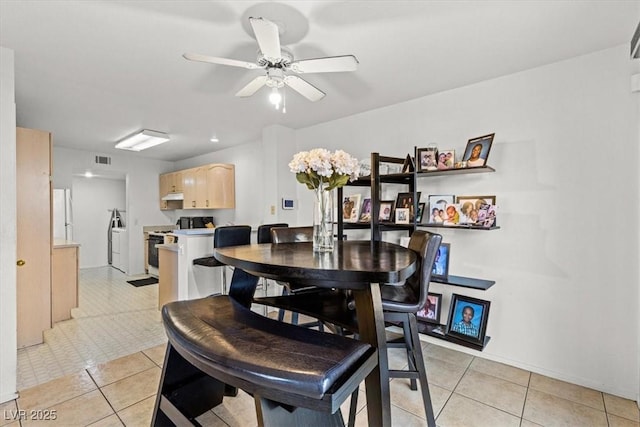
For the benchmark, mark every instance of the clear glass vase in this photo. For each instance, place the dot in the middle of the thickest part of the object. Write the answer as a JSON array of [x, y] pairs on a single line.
[[323, 220]]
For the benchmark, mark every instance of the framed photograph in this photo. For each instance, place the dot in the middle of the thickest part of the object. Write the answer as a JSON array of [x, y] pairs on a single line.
[[441, 264], [468, 318], [386, 210], [471, 206], [477, 151], [350, 208], [420, 215], [408, 165], [431, 311], [365, 211], [402, 215], [428, 159], [451, 214], [437, 206], [405, 200], [446, 159]]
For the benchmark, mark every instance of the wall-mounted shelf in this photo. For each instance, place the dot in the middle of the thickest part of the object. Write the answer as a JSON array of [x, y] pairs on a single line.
[[461, 227], [428, 329], [460, 171], [465, 282]]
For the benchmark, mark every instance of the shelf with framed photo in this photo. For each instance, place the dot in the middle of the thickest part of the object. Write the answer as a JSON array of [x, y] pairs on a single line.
[[406, 212], [381, 214]]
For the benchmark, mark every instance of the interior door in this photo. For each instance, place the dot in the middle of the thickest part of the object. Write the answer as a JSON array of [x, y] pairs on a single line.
[[33, 172]]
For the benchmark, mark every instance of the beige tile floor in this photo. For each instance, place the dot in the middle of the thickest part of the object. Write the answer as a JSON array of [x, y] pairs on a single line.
[[466, 390]]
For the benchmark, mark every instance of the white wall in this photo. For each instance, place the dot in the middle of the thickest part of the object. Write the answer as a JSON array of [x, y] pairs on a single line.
[[142, 204], [8, 355], [565, 303], [93, 199]]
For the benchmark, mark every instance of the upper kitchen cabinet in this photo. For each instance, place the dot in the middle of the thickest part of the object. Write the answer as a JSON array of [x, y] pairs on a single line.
[[209, 186], [221, 189], [171, 190], [195, 188]]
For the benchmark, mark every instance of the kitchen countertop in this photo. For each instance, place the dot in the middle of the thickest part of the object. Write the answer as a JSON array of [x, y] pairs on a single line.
[[195, 231], [62, 243]]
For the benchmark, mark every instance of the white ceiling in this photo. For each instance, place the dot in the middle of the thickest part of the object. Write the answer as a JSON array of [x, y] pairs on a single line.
[[93, 72]]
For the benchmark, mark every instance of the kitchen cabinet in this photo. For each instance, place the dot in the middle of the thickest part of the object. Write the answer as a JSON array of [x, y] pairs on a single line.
[[170, 183], [64, 279], [209, 187], [167, 274], [195, 188], [221, 191], [33, 246]]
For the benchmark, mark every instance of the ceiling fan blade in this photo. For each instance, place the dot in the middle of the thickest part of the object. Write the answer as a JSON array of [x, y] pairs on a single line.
[[221, 61], [330, 64], [304, 88], [268, 38], [252, 87]]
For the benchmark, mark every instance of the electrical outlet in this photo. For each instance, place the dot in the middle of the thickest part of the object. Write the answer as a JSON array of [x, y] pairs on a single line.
[[273, 210]]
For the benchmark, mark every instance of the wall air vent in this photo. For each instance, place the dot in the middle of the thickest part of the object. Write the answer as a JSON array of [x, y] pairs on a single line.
[[103, 160]]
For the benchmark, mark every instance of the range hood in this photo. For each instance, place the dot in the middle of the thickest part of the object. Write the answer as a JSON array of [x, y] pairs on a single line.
[[174, 196]]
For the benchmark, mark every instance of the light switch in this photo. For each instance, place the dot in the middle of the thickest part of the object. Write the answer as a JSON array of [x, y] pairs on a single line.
[[273, 210]]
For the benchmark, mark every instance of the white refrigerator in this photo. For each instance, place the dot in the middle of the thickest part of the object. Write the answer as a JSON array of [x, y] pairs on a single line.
[[62, 216]]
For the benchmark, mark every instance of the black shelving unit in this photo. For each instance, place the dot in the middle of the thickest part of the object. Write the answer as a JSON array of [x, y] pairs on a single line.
[[375, 181]]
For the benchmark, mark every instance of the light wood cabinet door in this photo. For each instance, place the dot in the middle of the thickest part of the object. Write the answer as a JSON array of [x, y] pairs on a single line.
[[64, 283], [189, 188], [33, 172], [195, 188], [164, 189], [221, 192], [176, 182]]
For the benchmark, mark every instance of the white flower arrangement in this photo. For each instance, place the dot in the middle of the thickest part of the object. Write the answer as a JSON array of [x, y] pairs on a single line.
[[322, 166]]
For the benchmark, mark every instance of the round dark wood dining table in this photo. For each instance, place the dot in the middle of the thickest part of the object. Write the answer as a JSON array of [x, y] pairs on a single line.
[[358, 266]]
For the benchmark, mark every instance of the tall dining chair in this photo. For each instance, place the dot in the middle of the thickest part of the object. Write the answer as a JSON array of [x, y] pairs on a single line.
[[231, 235], [400, 303], [292, 235], [264, 236]]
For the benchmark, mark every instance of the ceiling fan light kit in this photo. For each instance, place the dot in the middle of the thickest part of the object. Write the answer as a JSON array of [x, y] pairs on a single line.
[[142, 140], [278, 62]]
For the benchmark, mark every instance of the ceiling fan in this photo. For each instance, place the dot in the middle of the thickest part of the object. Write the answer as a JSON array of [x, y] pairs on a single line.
[[279, 63]]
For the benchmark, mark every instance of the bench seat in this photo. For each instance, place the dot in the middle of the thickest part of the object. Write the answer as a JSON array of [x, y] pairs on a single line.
[[272, 360]]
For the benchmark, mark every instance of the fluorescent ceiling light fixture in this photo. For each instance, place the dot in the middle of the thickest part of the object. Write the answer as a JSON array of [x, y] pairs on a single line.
[[214, 139], [142, 140], [88, 174]]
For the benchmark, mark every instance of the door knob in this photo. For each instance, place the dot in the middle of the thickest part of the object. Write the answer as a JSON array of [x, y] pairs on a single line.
[[20, 262]]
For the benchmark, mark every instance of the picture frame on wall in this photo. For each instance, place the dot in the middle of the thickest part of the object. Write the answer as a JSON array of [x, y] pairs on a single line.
[[440, 268], [427, 159], [472, 207], [402, 216], [365, 211], [386, 210], [351, 208], [446, 159], [477, 151], [405, 200], [430, 313], [437, 203], [419, 217], [468, 318]]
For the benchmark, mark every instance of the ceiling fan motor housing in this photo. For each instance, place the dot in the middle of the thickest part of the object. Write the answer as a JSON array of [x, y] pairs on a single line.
[[285, 60], [275, 77]]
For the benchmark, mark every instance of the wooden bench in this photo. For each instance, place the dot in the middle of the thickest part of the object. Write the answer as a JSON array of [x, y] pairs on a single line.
[[297, 376]]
